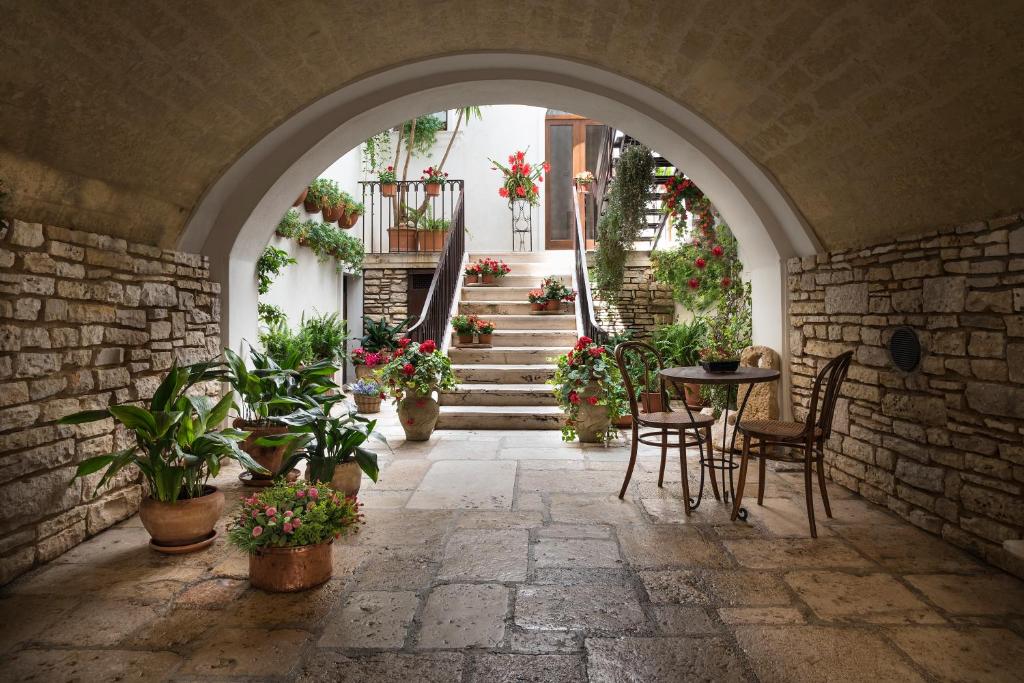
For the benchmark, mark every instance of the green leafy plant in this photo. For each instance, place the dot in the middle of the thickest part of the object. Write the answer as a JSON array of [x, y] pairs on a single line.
[[289, 224], [588, 366], [269, 265], [177, 444], [556, 290], [433, 224], [327, 241], [270, 314], [326, 335], [334, 439], [374, 154], [287, 348], [701, 267], [292, 514], [680, 344], [381, 335], [387, 176], [464, 324], [325, 193], [417, 368], [422, 137], [484, 327], [625, 218], [270, 390]]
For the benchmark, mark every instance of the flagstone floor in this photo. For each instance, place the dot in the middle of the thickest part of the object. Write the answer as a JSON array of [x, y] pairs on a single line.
[[506, 556]]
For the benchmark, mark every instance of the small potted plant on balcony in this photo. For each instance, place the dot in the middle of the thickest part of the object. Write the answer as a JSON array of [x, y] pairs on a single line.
[[388, 182], [589, 389], [412, 376], [367, 362], [472, 274], [432, 233], [432, 179], [288, 529], [538, 300], [402, 237], [465, 328], [177, 447], [368, 394], [583, 180], [484, 332], [492, 269]]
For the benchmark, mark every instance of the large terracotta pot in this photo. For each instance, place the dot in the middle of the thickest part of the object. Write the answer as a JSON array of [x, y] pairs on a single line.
[[484, 338], [332, 213], [286, 570], [651, 402], [432, 240], [184, 522], [418, 414], [401, 239], [553, 305], [432, 189], [389, 189], [593, 420], [486, 279], [346, 478], [537, 305], [472, 279], [302, 197], [270, 457], [367, 404], [310, 205], [691, 394]]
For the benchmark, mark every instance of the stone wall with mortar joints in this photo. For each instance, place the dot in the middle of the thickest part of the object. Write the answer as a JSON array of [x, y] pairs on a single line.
[[643, 305], [942, 446], [85, 321], [385, 293]]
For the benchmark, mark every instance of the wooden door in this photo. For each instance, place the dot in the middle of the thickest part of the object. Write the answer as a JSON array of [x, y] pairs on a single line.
[[572, 144]]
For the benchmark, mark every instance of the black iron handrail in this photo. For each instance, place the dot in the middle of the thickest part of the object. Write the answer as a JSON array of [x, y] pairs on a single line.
[[433, 320], [393, 224], [591, 327]]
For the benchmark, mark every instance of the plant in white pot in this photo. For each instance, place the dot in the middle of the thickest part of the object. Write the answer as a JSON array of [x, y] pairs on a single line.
[[334, 443], [177, 448], [414, 373]]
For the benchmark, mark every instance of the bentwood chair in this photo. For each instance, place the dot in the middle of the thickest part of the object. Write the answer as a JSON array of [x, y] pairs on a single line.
[[637, 360], [809, 436]]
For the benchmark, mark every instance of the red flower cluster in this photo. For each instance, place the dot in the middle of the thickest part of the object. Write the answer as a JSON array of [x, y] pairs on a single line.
[[490, 266], [521, 178], [370, 359], [428, 346], [433, 175]]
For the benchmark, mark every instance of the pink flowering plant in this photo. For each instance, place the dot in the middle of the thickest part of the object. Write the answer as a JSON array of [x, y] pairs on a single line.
[[293, 514], [418, 368], [588, 373], [370, 359]]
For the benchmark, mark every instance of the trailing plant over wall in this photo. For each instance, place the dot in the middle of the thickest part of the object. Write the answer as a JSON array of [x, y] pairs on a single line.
[[701, 267], [622, 223], [374, 152], [270, 314], [269, 265], [326, 240], [422, 141]]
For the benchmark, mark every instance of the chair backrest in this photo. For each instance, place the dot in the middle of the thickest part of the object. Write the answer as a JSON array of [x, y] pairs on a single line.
[[825, 394], [638, 360]]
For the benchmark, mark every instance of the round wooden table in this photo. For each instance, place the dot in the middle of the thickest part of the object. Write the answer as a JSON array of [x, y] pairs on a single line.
[[742, 375]]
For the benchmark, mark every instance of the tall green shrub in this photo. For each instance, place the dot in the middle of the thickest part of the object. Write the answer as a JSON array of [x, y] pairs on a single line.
[[625, 218]]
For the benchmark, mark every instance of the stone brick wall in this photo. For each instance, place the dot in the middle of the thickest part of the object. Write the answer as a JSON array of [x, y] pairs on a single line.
[[85, 321], [385, 293], [942, 446], [643, 305]]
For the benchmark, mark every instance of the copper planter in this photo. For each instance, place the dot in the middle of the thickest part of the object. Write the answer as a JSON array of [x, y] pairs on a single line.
[[286, 570]]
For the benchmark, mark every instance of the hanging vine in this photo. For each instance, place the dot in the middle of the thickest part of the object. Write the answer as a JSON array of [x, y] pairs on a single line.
[[621, 224]]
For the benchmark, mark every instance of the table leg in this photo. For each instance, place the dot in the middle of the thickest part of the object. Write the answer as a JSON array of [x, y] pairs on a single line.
[[693, 504], [732, 444]]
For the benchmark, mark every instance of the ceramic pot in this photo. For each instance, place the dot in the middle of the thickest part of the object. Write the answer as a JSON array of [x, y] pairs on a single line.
[[347, 220], [401, 239], [418, 414], [431, 240], [537, 305], [472, 279], [624, 421], [554, 305], [482, 338], [184, 522], [432, 189], [389, 189], [487, 279], [651, 402], [691, 394], [310, 205], [270, 457], [346, 478], [332, 213], [593, 420], [286, 570], [367, 404], [465, 339], [302, 197]]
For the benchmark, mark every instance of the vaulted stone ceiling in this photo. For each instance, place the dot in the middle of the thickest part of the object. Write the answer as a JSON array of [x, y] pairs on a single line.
[[878, 118]]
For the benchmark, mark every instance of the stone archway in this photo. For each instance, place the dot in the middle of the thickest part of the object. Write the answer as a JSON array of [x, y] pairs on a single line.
[[230, 223]]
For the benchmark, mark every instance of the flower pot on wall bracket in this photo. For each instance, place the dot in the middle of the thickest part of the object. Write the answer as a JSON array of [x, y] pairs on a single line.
[[432, 189], [418, 414], [302, 197], [401, 239], [332, 213], [389, 189], [347, 220], [310, 205]]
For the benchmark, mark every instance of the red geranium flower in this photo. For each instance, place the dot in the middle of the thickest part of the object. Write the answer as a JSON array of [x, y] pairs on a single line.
[[574, 397], [700, 263], [503, 192], [408, 369], [592, 400], [596, 351], [428, 346], [521, 191], [585, 340], [726, 281], [717, 250], [403, 342], [694, 283]]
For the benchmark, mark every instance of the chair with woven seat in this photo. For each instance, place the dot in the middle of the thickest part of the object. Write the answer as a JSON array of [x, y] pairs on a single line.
[[637, 359], [809, 436]]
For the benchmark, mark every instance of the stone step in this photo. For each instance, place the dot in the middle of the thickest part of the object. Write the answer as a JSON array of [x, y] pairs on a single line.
[[536, 270], [507, 355], [563, 257], [513, 294], [494, 307], [546, 323], [537, 337], [499, 395], [500, 417], [507, 373]]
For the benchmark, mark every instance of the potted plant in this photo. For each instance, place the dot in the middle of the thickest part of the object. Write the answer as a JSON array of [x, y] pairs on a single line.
[[538, 301], [492, 269], [380, 335], [414, 373], [583, 180], [519, 179], [465, 328], [368, 394], [311, 202], [321, 195], [288, 529], [432, 233], [484, 331], [332, 202], [588, 387], [177, 447], [351, 212], [402, 237], [472, 274], [388, 182], [555, 292], [432, 178], [680, 346], [367, 362], [267, 392]]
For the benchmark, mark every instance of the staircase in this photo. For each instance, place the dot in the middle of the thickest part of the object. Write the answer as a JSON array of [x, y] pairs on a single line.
[[505, 387]]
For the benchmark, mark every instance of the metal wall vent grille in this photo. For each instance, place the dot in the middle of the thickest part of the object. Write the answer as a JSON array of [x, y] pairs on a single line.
[[905, 349]]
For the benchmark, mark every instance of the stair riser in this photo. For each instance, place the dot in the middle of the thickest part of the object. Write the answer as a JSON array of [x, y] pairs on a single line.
[[533, 322], [559, 339], [499, 398], [536, 271], [511, 294], [481, 375], [492, 421], [489, 308], [565, 258], [498, 356]]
